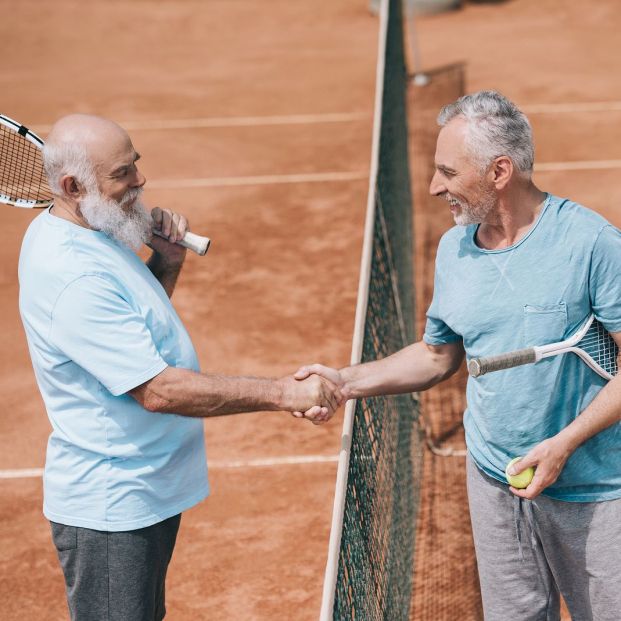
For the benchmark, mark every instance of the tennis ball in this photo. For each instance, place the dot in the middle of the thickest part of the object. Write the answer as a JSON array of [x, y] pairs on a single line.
[[522, 480]]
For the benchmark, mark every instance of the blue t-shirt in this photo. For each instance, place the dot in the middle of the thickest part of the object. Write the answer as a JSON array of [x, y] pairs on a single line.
[[538, 291], [98, 324]]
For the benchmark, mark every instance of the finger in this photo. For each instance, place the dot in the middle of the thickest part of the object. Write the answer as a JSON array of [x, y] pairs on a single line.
[[301, 373], [182, 227], [530, 492], [323, 417], [528, 461], [174, 227], [156, 215], [332, 401], [517, 467], [311, 413], [321, 370], [333, 395], [166, 222], [534, 488], [297, 414]]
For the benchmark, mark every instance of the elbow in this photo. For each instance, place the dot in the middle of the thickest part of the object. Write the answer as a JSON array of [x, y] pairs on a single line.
[[154, 403], [150, 398]]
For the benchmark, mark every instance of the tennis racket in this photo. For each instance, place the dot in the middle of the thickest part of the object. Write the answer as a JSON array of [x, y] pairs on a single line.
[[23, 182], [591, 342]]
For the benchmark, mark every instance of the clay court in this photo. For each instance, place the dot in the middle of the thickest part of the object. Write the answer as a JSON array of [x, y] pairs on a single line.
[[255, 120]]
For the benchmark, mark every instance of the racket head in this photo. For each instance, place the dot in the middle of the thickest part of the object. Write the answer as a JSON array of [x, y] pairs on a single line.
[[23, 182], [600, 350]]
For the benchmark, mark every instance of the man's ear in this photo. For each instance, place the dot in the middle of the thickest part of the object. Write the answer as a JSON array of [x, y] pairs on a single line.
[[501, 171], [71, 188]]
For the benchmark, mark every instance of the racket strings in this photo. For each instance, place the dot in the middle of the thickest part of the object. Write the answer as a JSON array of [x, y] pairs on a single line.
[[598, 344], [22, 176]]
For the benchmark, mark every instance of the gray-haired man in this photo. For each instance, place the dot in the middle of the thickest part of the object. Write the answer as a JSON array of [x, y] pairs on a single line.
[[523, 267]]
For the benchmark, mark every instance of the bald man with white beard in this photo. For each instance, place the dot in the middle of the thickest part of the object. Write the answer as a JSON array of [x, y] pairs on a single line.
[[119, 375]]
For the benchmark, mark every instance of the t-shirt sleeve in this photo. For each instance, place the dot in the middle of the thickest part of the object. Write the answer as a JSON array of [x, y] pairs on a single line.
[[437, 332], [96, 327], [605, 278]]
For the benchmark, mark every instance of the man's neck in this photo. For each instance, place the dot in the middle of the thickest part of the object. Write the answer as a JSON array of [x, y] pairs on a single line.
[[68, 212], [512, 219]]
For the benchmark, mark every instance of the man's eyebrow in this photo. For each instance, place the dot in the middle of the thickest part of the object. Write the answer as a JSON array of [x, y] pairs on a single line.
[[446, 169], [118, 169]]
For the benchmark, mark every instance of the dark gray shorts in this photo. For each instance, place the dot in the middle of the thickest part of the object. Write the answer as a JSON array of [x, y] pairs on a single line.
[[116, 576]]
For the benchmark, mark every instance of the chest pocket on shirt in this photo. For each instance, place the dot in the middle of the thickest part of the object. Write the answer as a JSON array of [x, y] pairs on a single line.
[[544, 324]]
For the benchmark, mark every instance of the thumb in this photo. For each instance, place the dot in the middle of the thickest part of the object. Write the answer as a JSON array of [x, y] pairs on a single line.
[[521, 464], [302, 373]]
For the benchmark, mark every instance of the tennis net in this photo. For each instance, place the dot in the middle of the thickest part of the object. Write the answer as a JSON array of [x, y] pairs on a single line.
[[370, 559]]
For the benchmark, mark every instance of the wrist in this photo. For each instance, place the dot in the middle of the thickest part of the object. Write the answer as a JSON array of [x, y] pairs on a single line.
[[280, 396], [347, 387], [569, 440], [166, 261]]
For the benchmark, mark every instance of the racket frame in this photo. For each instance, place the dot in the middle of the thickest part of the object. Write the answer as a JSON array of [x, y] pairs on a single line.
[[29, 135], [529, 355]]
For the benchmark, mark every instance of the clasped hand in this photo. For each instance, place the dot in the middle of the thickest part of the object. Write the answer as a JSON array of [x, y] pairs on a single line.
[[318, 393]]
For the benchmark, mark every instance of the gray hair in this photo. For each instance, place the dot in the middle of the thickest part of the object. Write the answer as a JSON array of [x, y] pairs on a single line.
[[496, 126], [67, 158]]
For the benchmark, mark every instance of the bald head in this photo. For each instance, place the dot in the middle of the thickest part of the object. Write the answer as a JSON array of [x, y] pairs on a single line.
[[86, 148], [85, 129]]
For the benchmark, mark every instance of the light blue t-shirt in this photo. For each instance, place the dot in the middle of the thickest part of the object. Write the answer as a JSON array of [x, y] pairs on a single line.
[[98, 324], [540, 290]]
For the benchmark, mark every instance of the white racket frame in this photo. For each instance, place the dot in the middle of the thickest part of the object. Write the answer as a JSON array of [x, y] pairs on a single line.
[[477, 366]]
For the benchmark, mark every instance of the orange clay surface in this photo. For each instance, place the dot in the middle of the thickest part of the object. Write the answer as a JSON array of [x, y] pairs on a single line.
[[276, 290], [278, 286]]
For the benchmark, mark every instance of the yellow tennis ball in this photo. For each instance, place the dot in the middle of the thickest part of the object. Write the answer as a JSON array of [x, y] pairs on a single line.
[[522, 480]]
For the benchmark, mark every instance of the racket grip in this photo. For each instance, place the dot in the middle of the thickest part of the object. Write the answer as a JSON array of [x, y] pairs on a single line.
[[481, 366], [192, 241]]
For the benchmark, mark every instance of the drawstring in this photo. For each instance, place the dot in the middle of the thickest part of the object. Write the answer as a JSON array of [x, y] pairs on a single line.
[[523, 509]]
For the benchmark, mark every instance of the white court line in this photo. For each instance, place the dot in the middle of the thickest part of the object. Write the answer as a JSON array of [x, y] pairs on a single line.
[[215, 182], [235, 121], [587, 106], [578, 165], [293, 460]]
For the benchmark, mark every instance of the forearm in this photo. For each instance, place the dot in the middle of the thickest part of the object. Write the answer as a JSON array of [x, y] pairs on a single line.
[[412, 369], [604, 410], [185, 392], [165, 271]]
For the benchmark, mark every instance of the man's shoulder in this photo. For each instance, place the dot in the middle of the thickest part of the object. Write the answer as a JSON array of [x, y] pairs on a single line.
[[457, 235], [577, 215], [53, 257]]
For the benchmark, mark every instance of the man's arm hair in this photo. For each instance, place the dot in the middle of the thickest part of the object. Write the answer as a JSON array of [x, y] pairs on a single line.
[[416, 367], [185, 392], [166, 272]]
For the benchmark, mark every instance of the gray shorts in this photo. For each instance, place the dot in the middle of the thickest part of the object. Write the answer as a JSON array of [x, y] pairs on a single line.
[[116, 576], [530, 550]]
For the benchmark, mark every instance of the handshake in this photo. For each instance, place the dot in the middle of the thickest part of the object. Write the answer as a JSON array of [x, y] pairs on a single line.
[[314, 392]]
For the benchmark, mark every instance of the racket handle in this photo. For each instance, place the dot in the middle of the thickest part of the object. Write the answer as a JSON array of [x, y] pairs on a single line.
[[192, 241], [481, 366]]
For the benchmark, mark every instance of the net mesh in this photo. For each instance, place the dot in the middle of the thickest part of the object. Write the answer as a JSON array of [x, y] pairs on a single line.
[[377, 541], [22, 179]]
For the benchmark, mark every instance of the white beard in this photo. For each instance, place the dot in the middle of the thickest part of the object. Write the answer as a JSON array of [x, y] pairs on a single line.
[[130, 226]]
